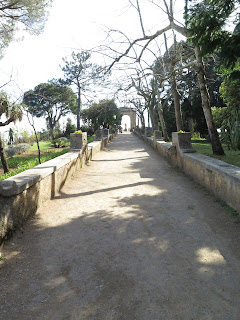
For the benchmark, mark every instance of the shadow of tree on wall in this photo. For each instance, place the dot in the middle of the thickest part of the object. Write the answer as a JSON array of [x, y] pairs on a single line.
[[142, 255]]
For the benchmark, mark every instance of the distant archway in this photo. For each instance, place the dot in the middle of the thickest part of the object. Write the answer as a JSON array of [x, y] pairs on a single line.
[[132, 114]]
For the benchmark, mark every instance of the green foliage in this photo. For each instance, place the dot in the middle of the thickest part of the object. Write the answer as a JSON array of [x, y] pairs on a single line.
[[22, 147], [44, 135], [11, 151], [90, 139], [51, 100], [9, 111], [89, 130], [80, 71], [104, 113], [14, 14], [60, 142], [230, 90], [196, 136], [228, 119], [219, 115], [169, 116], [70, 128], [18, 149], [230, 131], [23, 136], [206, 21]]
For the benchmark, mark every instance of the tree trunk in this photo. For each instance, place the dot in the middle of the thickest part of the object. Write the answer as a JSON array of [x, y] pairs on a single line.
[[190, 124], [162, 121], [36, 136], [148, 118], [142, 119], [79, 108], [153, 119], [216, 144], [39, 152], [51, 127], [153, 113], [177, 101], [3, 157]]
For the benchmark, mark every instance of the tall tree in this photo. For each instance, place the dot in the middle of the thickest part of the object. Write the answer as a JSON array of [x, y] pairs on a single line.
[[145, 43], [104, 113], [206, 22], [50, 100], [11, 113], [29, 15], [81, 73]]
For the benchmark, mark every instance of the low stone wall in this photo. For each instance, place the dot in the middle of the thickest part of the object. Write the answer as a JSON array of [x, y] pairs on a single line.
[[220, 178], [23, 194]]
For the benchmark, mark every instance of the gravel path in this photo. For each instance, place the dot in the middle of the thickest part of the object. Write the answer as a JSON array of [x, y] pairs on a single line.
[[128, 238]]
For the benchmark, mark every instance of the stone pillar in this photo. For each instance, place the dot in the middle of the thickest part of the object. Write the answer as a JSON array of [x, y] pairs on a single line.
[[98, 135], [78, 141], [158, 135], [182, 142], [148, 132]]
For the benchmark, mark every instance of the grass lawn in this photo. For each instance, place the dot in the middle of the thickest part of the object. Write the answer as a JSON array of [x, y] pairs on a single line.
[[231, 156], [29, 159], [43, 146]]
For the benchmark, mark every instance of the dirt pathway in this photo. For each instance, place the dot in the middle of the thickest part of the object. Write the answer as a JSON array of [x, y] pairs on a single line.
[[128, 238]]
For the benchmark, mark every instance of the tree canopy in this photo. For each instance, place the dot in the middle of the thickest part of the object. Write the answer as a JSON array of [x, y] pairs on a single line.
[[28, 15], [104, 113], [206, 22], [50, 100]]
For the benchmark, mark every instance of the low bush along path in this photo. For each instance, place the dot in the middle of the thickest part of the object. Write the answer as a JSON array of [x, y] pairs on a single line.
[[128, 238]]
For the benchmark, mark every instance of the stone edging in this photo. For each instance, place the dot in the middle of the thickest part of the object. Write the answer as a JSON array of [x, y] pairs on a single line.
[[220, 178]]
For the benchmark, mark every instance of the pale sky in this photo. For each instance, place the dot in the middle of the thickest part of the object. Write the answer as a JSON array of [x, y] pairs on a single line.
[[72, 25]]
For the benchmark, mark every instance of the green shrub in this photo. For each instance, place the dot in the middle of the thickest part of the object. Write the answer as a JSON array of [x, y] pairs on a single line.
[[196, 136], [11, 151], [230, 131], [60, 142], [22, 147]]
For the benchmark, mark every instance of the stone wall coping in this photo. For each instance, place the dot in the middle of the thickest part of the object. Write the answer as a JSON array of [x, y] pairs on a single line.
[[216, 165], [94, 143], [209, 163], [164, 143], [24, 180]]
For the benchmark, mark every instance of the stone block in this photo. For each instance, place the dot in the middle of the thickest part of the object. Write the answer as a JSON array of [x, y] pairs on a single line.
[[148, 132], [78, 141], [158, 135], [182, 141], [98, 135]]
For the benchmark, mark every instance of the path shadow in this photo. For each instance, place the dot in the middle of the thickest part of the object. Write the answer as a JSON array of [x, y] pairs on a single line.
[[171, 253]]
